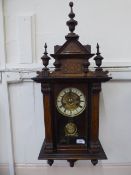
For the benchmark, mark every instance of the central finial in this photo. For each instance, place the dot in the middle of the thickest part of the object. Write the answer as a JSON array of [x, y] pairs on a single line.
[[71, 23], [71, 14]]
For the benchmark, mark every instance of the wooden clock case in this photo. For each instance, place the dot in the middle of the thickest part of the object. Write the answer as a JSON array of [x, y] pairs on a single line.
[[72, 70]]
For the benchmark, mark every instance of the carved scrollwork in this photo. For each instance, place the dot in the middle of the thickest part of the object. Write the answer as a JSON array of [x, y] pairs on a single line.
[[44, 73], [45, 88], [72, 67], [96, 87]]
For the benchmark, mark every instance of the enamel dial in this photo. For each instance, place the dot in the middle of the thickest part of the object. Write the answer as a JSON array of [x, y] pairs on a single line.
[[70, 102]]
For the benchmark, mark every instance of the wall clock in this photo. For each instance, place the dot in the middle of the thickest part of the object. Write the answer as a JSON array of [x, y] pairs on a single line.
[[71, 101]]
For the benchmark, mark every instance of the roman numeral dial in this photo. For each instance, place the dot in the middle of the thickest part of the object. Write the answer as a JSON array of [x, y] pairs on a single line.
[[71, 102]]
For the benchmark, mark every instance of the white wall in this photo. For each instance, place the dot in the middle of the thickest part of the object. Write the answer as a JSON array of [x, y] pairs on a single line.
[[24, 27]]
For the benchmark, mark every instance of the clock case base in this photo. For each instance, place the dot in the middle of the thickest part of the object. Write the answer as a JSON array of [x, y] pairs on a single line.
[[88, 154]]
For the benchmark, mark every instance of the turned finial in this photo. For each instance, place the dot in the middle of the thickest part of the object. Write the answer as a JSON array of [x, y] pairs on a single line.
[[98, 58], [45, 58], [71, 23]]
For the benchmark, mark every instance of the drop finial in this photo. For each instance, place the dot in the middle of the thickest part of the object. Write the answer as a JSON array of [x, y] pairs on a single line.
[[71, 23]]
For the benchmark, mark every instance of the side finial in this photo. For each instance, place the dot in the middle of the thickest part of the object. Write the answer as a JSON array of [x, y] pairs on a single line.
[[45, 58], [98, 58], [71, 23]]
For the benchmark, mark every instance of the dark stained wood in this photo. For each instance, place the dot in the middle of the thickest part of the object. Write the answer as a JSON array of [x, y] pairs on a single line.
[[46, 90], [72, 69], [83, 155], [94, 143]]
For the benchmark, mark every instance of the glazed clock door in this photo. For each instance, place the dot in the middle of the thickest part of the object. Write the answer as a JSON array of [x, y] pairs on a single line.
[[71, 114]]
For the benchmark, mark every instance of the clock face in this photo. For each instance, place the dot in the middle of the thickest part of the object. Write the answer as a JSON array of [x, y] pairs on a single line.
[[71, 102]]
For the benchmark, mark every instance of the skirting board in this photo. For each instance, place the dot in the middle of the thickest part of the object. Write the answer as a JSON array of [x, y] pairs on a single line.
[[58, 168]]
